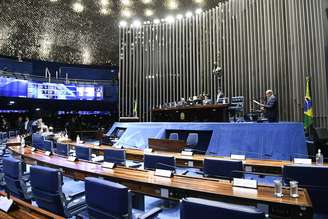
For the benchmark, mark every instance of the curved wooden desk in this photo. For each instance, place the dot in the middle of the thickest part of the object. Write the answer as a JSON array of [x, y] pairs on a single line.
[[177, 187]]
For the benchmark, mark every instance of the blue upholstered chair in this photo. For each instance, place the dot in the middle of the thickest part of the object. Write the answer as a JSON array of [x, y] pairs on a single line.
[[37, 141], [114, 201], [174, 136], [48, 146], [192, 140], [315, 180], [83, 153], [220, 168], [119, 133], [16, 181], [195, 208], [62, 149], [154, 161], [47, 192], [116, 156]]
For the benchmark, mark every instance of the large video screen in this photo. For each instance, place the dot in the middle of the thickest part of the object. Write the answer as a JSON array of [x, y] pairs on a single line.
[[21, 88]]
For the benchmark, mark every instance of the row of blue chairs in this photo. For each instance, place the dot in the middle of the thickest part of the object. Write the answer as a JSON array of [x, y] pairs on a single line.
[[115, 200]]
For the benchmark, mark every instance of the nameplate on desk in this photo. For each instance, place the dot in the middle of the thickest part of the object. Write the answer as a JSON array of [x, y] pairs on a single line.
[[246, 183], [108, 165], [148, 150], [33, 149], [302, 161], [164, 173], [71, 158], [187, 153], [5, 203], [47, 153], [238, 157]]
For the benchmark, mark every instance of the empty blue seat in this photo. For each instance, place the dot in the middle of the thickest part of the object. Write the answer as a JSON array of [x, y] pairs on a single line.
[[192, 140], [83, 153], [116, 156], [62, 149], [114, 201], [195, 208], [174, 136], [48, 146], [219, 168], [47, 192], [314, 179], [37, 141], [154, 161], [16, 181]]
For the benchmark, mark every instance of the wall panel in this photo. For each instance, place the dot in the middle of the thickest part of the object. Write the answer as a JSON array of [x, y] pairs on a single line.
[[260, 44]]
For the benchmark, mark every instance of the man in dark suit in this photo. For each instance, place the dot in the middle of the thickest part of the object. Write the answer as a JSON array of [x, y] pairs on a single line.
[[271, 106]]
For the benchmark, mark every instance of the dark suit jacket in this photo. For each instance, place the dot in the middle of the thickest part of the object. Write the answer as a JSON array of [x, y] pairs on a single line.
[[271, 109]]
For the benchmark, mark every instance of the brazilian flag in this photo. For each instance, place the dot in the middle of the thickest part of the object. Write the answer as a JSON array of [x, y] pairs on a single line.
[[308, 112]]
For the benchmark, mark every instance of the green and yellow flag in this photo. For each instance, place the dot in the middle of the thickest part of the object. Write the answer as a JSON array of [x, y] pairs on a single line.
[[308, 112]]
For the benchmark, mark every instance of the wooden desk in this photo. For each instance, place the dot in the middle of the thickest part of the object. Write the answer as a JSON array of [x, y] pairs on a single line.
[[262, 166], [22, 209], [177, 187], [167, 145]]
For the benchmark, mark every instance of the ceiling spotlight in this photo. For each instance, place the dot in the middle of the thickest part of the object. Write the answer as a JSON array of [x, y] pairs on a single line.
[[198, 11], [104, 2], [53, 0], [172, 4], [123, 24], [149, 12], [146, 1], [169, 19], [136, 24], [199, 1], [126, 2], [157, 21], [179, 16], [126, 13], [78, 7], [189, 14], [104, 11]]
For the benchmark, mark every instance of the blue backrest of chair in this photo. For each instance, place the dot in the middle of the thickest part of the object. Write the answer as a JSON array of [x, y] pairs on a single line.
[[116, 156], [83, 153], [106, 198], [174, 136], [220, 168], [12, 169], [152, 162], [192, 139], [37, 141], [62, 149], [48, 145], [119, 133], [195, 208], [314, 179], [46, 188]]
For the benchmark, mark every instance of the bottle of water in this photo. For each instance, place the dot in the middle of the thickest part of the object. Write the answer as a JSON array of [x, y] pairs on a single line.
[[77, 139], [22, 142], [319, 158]]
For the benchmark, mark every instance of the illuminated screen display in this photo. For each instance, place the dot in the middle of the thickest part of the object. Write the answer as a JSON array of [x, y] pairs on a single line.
[[21, 88]]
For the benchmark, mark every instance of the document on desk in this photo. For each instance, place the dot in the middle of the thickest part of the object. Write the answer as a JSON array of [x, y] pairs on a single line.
[[5, 203]]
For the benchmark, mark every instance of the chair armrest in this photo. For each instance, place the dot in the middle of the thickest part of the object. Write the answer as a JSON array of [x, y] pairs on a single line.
[[150, 214], [76, 195]]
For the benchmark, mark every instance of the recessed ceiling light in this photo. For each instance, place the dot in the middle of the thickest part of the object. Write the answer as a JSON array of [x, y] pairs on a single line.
[[78, 7], [189, 14], [136, 24], [123, 24], [169, 19], [198, 11], [172, 4], [126, 12], [149, 12]]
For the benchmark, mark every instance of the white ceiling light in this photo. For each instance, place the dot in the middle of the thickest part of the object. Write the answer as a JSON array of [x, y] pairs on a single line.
[[136, 24], [78, 7], [189, 14], [198, 11], [123, 24]]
